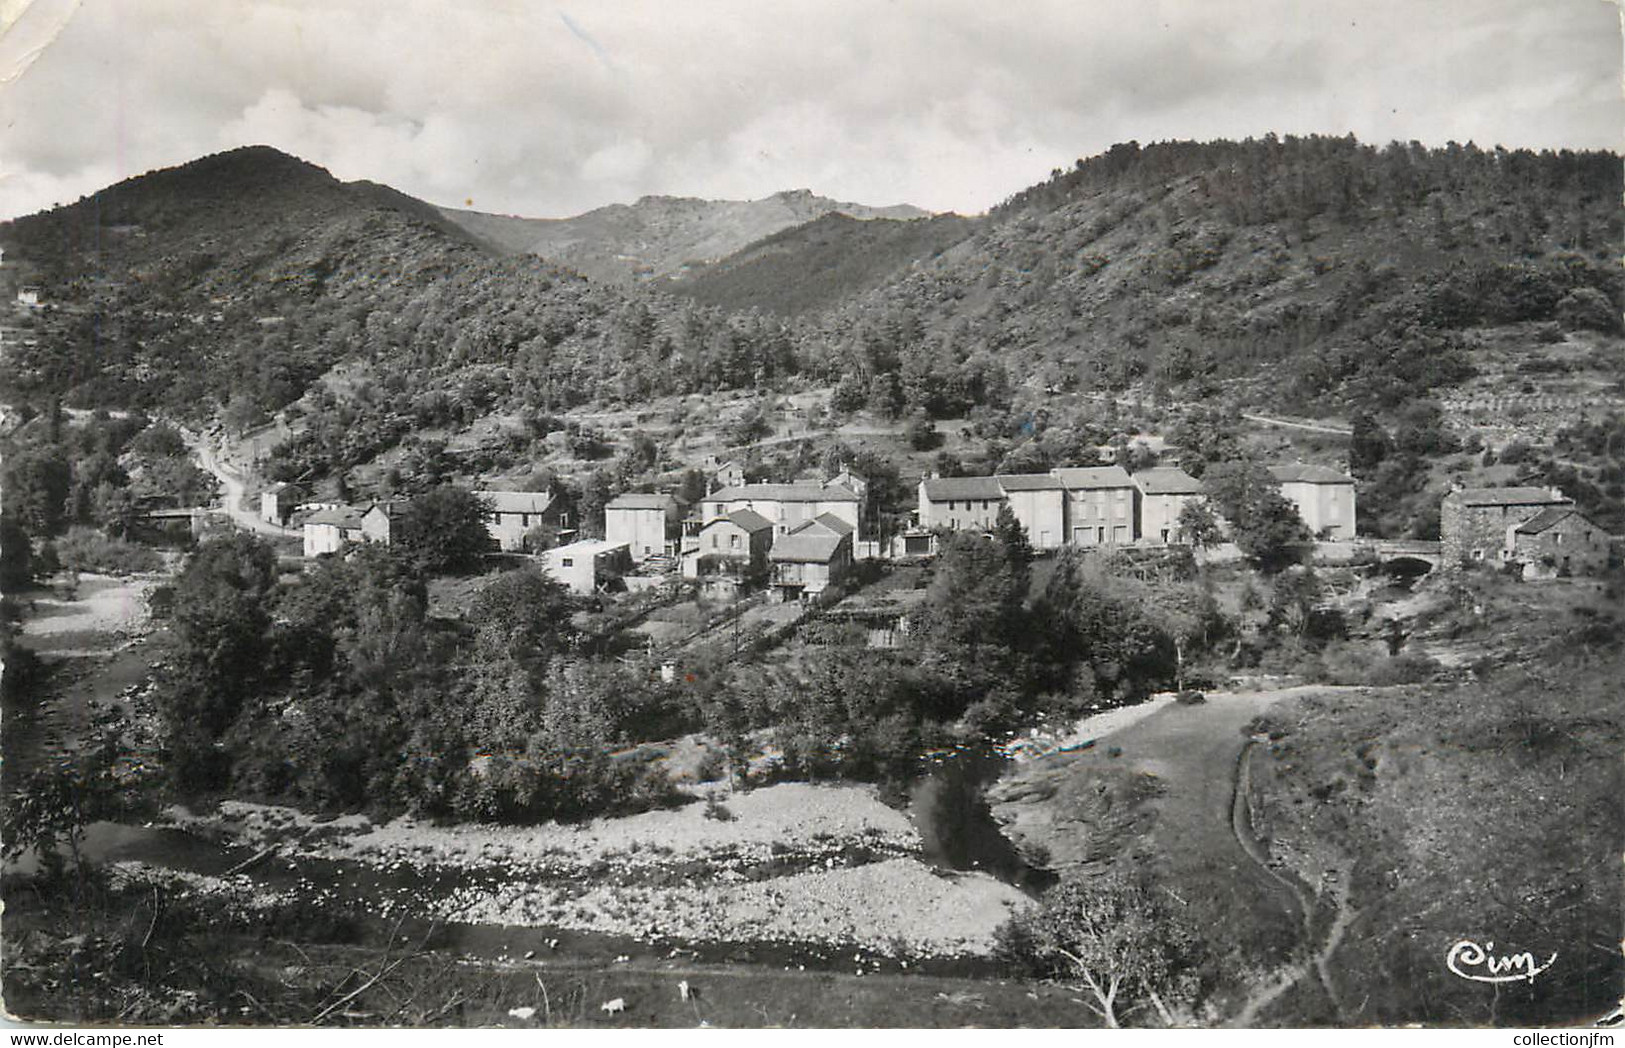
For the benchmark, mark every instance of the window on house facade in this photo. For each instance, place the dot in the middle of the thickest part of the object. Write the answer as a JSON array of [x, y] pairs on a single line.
[[733, 541], [568, 562], [714, 542]]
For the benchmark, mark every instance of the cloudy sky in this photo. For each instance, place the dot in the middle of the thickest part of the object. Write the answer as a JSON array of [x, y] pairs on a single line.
[[550, 108]]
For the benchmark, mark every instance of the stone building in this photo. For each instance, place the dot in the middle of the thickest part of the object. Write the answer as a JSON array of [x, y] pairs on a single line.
[[1165, 491], [1038, 501], [1557, 541], [1102, 505], [1477, 524]]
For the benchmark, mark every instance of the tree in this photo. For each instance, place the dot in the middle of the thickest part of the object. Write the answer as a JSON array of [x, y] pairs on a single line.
[[1198, 524], [220, 624], [1264, 523], [443, 530], [16, 556], [36, 485], [1117, 937], [1586, 308], [922, 432], [1293, 599], [693, 488], [975, 598], [1368, 445], [596, 492]]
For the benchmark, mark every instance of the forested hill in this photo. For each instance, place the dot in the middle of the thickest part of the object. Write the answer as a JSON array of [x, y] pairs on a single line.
[[1328, 270], [235, 280], [820, 264], [662, 235], [1311, 272]]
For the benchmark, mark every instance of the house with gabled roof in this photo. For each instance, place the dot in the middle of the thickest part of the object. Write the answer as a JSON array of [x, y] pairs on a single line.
[[1165, 491], [1474, 523], [1038, 501], [959, 503], [1557, 541], [785, 505], [734, 547], [512, 515], [1102, 505], [1324, 498], [811, 558], [380, 521], [650, 524], [330, 529]]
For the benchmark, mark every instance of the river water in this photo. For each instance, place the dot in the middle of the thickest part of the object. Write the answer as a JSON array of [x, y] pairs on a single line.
[[948, 805]]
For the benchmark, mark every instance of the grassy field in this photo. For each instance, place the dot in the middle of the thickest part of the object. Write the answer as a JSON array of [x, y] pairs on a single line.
[[1488, 811], [1159, 794]]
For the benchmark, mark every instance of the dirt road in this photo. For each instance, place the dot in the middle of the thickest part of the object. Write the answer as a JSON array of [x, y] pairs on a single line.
[[214, 461]]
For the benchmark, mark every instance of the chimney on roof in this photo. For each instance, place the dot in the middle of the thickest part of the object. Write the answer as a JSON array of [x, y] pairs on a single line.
[[1557, 492]]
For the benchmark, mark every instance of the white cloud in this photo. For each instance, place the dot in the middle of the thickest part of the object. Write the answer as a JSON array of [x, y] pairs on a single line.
[[944, 103]]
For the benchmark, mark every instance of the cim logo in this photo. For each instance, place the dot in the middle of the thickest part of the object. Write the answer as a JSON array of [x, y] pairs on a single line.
[[1469, 960]]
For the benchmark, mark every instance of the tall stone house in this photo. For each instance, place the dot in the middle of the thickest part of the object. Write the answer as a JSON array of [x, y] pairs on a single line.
[[1102, 505], [1038, 501], [1165, 491], [960, 503], [648, 524]]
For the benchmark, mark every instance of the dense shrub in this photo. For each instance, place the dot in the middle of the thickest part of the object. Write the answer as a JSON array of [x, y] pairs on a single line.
[[88, 550]]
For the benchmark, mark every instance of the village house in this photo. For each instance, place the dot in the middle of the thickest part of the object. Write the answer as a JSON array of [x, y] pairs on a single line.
[[1324, 499], [1165, 491], [959, 503], [733, 547], [1474, 523], [1102, 505], [512, 515], [811, 558], [587, 566], [380, 522], [330, 529], [720, 474], [1557, 541], [278, 502], [785, 505], [1038, 501], [649, 524]]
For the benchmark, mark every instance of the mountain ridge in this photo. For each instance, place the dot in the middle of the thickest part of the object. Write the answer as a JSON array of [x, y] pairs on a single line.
[[660, 235]]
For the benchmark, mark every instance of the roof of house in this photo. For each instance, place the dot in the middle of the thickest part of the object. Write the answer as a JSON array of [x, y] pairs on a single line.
[[338, 516], [588, 547], [516, 501], [1302, 473], [748, 519], [1508, 497], [1029, 482], [805, 548], [785, 493], [1087, 477], [1168, 480], [941, 489], [825, 522], [640, 500], [1547, 518]]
